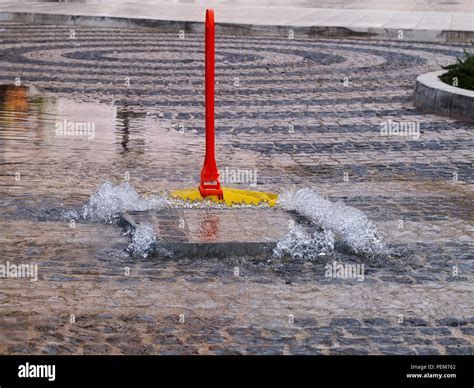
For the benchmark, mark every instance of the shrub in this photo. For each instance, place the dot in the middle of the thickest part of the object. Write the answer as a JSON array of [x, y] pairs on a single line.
[[463, 70]]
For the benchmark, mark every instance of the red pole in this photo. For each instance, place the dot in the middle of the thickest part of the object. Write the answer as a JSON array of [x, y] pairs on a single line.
[[209, 174]]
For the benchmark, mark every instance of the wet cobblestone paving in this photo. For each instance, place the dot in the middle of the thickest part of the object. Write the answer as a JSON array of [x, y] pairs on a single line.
[[300, 113]]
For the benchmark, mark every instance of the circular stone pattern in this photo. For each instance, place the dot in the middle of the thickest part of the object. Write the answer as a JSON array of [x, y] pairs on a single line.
[[434, 96]]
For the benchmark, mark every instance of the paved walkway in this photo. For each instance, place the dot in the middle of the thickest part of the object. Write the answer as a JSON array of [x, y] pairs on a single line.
[[306, 112], [399, 5], [422, 24]]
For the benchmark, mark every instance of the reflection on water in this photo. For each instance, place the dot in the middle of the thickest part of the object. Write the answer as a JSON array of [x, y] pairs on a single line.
[[54, 118], [70, 146], [13, 98], [14, 104], [130, 121], [209, 227]]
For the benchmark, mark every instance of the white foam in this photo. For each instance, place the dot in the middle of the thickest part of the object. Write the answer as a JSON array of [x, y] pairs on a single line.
[[109, 200], [302, 245], [348, 223], [142, 239]]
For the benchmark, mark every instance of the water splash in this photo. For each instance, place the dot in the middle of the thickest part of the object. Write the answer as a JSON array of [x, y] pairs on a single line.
[[301, 245], [348, 223], [209, 204], [143, 238], [109, 200]]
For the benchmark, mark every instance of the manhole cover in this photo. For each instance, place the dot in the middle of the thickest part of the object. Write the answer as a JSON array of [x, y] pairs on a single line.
[[214, 232]]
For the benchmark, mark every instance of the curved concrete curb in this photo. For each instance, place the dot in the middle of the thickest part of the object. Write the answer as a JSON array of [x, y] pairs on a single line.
[[434, 96]]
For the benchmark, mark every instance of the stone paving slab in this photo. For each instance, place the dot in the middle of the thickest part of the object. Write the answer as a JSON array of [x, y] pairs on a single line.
[[245, 19]]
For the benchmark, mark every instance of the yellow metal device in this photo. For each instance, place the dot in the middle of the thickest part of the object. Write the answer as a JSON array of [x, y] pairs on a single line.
[[231, 196]]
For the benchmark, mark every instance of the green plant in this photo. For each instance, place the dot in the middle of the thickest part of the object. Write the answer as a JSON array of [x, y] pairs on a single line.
[[461, 73]]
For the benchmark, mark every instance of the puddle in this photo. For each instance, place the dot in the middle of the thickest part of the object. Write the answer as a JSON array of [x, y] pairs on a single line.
[[95, 131], [63, 154], [94, 147]]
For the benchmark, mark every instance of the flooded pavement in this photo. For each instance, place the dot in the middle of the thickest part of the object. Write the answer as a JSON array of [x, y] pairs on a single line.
[[79, 108]]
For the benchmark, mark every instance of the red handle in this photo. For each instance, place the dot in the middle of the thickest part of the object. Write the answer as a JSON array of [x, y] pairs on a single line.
[[209, 87], [209, 174]]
